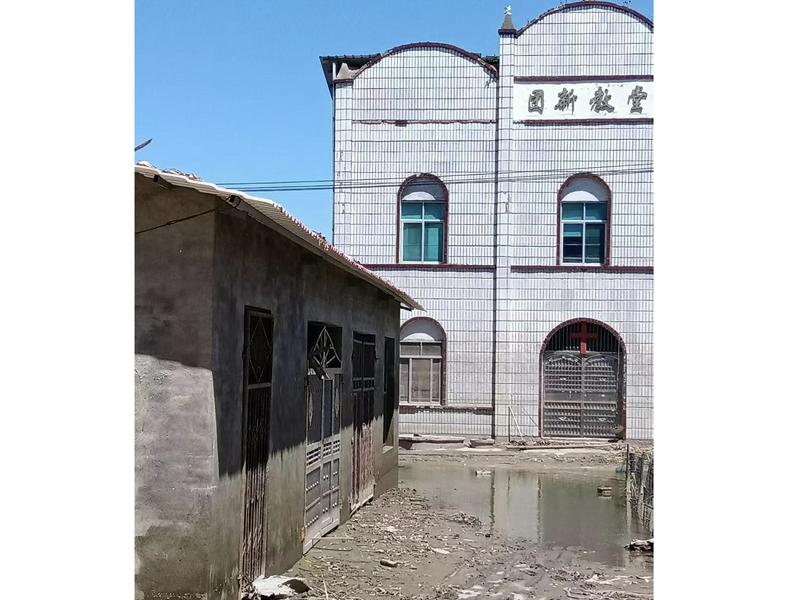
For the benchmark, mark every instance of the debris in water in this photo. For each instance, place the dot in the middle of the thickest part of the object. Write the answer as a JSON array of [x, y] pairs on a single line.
[[440, 551], [640, 545], [604, 491], [276, 587], [482, 473], [389, 563], [480, 442]]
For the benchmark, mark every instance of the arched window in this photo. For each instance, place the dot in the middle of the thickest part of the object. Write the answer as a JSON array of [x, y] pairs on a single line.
[[422, 227], [423, 347], [583, 221]]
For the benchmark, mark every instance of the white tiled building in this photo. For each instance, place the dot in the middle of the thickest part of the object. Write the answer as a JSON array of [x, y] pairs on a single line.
[[511, 195]]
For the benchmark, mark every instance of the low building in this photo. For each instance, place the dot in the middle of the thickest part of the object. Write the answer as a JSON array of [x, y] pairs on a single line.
[[266, 387]]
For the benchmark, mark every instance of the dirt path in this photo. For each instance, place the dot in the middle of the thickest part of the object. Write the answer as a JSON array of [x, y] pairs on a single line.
[[436, 554]]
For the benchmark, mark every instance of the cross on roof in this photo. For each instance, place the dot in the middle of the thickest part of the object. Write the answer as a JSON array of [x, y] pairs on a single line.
[[584, 336]]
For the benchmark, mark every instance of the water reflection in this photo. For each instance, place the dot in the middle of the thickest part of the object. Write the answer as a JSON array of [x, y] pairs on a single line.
[[520, 503]]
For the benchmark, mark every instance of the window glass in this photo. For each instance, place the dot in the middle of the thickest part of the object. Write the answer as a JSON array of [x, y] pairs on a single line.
[[436, 380], [411, 210], [409, 348], [434, 210], [403, 380], [412, 241], [571, 211], [423, 204], [595, 211], [573, 243], [584, 221], [431, 349], [594, 242], [433, 242], [420, 380], [421, 370]]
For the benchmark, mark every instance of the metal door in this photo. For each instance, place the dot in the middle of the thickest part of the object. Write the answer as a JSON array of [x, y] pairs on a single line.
[[323, 433], [323, 452], [582, 394], [363, 414], [257, 399]]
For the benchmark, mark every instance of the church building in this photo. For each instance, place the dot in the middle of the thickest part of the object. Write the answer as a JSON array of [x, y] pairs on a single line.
[[512, 196]]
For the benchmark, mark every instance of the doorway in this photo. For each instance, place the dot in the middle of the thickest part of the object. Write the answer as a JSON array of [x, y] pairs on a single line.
[[583, 382], [363, 415], [257, 369], [323, 431]]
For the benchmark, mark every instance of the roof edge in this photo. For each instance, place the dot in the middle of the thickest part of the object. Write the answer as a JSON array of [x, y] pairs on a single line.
[[397, 49], [293, 229], [588, 3]]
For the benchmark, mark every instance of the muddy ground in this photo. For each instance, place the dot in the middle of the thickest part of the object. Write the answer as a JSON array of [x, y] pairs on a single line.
[[432, 553], [544, 453]]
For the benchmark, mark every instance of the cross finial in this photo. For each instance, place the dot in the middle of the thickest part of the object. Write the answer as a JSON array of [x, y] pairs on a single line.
[[584, 336], [507, 27]]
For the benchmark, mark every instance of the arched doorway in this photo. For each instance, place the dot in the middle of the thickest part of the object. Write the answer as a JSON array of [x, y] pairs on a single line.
[[583, 381]]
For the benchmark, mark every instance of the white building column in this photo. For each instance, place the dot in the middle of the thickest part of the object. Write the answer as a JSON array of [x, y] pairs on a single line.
[[342, 156], [503, 391]]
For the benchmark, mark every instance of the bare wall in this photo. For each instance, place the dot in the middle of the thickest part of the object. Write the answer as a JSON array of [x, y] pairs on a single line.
[[175, 457]]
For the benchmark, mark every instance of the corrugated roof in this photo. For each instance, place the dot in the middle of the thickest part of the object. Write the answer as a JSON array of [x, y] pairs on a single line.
[[274, 216]]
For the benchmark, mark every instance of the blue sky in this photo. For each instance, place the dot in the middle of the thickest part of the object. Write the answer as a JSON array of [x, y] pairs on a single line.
[[234, 91]]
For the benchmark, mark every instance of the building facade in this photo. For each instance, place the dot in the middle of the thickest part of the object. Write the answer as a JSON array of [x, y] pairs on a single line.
[[511, 195], [266, 387]]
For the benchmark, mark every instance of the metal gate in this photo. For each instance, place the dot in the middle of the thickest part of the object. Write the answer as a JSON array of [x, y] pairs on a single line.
[[323, 436], [363, 414], [257, 399], [582, 394]]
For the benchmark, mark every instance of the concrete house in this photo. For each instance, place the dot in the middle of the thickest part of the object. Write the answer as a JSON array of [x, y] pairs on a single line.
[[512, 196], [266, 387]]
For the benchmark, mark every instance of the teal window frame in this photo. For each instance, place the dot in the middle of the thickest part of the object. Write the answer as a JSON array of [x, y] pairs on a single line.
[[583, 223], [426, 222]]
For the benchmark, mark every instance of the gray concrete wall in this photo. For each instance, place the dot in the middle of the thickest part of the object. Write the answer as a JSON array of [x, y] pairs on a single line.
[[255, 266], [175, 456], [193, 281]]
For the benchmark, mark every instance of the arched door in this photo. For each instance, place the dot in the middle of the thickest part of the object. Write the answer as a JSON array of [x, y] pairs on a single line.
[[583, 382]]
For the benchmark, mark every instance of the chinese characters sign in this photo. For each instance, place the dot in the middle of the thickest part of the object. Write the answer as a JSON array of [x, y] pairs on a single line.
[[617, 100]]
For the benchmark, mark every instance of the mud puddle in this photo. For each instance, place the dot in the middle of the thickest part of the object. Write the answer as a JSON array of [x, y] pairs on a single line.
[[550, 509]]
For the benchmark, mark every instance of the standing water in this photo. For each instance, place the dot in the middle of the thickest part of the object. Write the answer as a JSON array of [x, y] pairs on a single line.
[[550, 508]]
